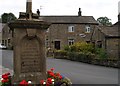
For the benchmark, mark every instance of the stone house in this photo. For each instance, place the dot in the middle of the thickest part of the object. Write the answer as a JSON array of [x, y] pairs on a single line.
[[6, 36], [107, 37], [66, 30], [2, 25], [0, 33]]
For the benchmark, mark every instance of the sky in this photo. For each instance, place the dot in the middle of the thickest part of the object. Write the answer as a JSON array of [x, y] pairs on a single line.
[[95, 8]]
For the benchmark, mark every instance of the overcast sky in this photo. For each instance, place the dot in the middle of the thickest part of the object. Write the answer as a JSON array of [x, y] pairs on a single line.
[[96, 8]]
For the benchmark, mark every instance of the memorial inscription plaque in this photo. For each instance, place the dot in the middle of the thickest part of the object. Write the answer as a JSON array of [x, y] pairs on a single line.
[[30, 55]]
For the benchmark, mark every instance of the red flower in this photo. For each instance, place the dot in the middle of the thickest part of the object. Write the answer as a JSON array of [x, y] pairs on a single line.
[[49, 80], [60, 77], [52, 69], [58, 74], [23, 83], [47, 84], [8, 74], [5, 76], [5, 80], [41, 81], [49, 72]]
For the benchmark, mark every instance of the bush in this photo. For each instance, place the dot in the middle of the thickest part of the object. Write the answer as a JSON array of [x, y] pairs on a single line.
[[101, 54], [80, 47], [60, 54], [80, 56]]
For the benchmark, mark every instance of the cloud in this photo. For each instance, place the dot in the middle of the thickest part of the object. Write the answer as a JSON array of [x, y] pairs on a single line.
[[96, 8], [119, 7]]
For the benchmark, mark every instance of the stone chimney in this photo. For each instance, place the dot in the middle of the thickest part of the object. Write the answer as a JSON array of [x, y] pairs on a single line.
[[79, 12], [29, 9], [29, 6]]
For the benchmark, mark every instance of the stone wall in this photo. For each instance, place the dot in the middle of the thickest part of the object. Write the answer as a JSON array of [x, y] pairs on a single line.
[[112, 47], [59, 32]]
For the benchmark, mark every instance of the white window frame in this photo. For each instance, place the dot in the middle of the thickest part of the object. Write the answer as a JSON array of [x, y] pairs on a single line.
[[71, 28], [87, 29], [70, 41]]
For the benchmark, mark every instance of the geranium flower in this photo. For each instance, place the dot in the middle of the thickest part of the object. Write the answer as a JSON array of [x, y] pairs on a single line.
[[49, 72], [29, 82], [5, 76], [52, 69], [23, 83], [5, 80], [42, 82], [52, 80], [60, 77], [8, 74], [49, 80], [58, 74]]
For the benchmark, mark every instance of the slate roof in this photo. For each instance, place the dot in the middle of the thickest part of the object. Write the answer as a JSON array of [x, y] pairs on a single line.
[[115, 23], [110, 31], [69, 19]]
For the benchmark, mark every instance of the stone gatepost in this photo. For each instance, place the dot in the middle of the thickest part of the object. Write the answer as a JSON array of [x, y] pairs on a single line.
[[29, 47]]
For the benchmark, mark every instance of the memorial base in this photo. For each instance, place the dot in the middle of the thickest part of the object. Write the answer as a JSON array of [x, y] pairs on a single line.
[[34, 78]]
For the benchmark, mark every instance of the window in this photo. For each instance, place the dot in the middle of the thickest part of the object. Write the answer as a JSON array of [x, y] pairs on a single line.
[[87, 41], [57, 45], [8, 41], [5, 42], [99, 44], [2, 42], [87, 29], [70, 41], [71, 28]]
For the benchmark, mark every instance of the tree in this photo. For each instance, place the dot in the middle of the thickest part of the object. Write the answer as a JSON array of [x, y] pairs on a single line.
[[105, 21], [7, 17]]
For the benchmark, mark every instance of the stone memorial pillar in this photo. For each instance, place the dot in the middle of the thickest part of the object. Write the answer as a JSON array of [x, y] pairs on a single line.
[[29, 47]]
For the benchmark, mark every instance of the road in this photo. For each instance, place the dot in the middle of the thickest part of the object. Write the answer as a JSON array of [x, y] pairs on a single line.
[[79, 73]]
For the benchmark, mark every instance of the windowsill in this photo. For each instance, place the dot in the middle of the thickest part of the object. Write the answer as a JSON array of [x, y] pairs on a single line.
[[70, 32], [87, 32]]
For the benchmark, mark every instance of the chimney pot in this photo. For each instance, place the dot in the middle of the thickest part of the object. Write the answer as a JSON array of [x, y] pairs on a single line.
[[79, 12], [29, 6]]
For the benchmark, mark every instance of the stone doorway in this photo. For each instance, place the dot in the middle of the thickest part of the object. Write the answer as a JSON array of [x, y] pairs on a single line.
[[57, 45]]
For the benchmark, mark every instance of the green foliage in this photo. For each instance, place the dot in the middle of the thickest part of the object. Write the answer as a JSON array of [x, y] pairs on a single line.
[[60, 54], [7, 17], [105, 21], [80, 47], [80, 56], [101, 53], [83, 51]]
